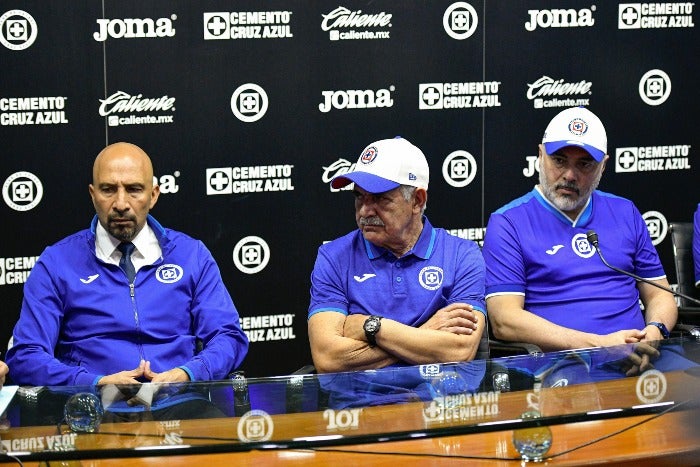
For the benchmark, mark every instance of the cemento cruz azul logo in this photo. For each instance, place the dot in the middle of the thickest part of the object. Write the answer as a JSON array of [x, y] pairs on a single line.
[[16, 270], [652, 158], [438, 96], [655, 15], [19, 111], [247, 25], [254, 179]]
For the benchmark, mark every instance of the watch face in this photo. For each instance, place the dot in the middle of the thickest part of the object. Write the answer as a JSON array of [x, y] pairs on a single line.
[[371, 325]]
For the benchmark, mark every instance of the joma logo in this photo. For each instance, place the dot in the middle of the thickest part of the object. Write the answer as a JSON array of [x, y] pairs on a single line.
[[356, 99], [129, 28]]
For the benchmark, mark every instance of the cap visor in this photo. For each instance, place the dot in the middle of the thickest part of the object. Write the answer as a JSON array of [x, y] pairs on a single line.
[[554, 146], [368, 182]]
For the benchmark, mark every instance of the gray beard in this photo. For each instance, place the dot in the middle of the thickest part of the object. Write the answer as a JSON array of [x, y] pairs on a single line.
[[564, 203]]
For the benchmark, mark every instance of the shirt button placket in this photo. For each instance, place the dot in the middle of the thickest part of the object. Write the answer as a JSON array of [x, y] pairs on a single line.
[[399, 286]]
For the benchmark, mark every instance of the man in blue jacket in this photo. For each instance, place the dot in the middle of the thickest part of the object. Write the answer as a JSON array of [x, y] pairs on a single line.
[[159, 312]]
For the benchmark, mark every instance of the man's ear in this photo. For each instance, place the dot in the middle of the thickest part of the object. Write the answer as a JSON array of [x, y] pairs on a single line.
[[604, 162], [155, 192], [420, 197]]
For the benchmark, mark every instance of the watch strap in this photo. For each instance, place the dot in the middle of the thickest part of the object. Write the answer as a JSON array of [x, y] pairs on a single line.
[[662, 328]]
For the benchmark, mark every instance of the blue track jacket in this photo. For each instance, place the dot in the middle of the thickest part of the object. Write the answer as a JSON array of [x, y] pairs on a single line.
[[80, 320]]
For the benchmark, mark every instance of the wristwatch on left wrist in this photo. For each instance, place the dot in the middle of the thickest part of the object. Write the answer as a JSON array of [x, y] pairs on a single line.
[[371, 327], [662, 328]]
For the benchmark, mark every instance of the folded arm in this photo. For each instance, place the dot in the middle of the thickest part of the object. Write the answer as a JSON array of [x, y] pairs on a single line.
[[338, 342]]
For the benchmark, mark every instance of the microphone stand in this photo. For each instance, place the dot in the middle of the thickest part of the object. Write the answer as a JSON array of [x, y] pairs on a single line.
[[592, 238]]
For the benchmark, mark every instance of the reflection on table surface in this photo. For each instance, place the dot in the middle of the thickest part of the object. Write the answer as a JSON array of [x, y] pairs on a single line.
[[332, 410]]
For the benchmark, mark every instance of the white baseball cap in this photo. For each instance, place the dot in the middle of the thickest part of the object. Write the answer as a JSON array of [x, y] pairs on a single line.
[[576, 126], [385, 165]]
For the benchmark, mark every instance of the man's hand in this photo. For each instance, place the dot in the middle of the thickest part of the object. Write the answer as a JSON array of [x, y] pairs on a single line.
[[457, 318], [176, 375], [652, 334], [3, 372], [124, 377], [639, 361], [626, 336]]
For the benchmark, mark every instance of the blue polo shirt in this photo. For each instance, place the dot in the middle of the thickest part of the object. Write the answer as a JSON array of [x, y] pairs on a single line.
[[533, 249], [351, 275]]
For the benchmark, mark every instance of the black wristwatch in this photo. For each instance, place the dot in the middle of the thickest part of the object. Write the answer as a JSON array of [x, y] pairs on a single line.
[[662, 327], [371, 327]]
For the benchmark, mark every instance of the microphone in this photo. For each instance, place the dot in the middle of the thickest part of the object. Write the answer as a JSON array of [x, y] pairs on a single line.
[[241, 396], [592, 238]]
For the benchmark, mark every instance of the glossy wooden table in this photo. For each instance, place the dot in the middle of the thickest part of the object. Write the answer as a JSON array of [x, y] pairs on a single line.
[[653, 438]]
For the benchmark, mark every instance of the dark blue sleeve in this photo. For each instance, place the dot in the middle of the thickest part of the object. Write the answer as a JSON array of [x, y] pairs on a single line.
[[696, 246], [217, 323]]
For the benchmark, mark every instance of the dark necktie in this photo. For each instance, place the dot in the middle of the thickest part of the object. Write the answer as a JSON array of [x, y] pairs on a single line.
[[125, 262]]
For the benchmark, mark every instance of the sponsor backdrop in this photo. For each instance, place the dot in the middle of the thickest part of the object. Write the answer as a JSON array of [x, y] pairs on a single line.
[[248, 109]]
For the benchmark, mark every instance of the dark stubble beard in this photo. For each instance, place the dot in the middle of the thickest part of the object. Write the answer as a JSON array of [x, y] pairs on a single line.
[[121, 233]]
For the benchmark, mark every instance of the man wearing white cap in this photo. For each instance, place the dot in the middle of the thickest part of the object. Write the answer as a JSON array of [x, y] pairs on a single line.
[[396, 291], [544, 282]]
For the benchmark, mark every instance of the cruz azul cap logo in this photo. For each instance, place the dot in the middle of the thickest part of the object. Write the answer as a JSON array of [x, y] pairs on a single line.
[[578, 127], [369, 155]]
